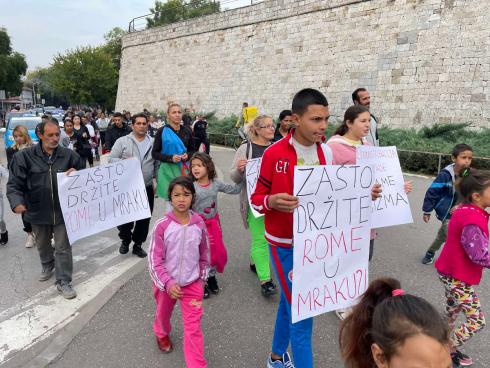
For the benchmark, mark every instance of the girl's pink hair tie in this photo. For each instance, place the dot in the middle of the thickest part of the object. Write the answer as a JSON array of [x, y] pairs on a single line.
[[398, 292]]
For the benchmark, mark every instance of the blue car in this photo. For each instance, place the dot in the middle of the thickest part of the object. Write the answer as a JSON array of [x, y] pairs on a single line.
[[30, 122]]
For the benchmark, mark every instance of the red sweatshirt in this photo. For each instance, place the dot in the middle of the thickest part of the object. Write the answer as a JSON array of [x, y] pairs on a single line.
[[277, 176]]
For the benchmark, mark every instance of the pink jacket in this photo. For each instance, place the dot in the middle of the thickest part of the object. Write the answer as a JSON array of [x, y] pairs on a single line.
[[343, 152], [454, 261], [178, 254]]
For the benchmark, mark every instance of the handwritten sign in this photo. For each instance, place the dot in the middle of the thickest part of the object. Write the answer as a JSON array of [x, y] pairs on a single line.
[[392, 208], [252, 172], [331, 237], [100, 198]]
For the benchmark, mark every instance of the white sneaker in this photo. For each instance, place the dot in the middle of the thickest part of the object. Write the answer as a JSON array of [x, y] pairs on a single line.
[[31, 241], [52, 242], [343, 313]]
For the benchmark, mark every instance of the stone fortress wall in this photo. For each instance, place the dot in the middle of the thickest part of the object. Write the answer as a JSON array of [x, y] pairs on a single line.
[[424, 61]]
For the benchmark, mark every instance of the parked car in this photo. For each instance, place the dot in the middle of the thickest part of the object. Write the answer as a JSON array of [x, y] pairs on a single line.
[[20, 114], [59, 117], [30, 122]]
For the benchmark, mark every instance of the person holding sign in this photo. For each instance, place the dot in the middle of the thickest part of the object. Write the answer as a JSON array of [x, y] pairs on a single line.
[[137, 144], [349, 135], [273, 197], [173, 147], [391, 329], [261, 133], [32, 191]]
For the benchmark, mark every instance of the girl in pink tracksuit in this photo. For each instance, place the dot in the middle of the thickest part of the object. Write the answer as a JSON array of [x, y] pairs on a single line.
[[179, 263]]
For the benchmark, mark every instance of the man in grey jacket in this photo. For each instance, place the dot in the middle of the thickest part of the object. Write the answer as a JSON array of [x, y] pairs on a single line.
[[137, 144], [32, 190]]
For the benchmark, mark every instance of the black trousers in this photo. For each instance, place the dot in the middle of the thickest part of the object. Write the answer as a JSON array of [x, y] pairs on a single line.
[[27, 225], [138, 231], [200, 140]]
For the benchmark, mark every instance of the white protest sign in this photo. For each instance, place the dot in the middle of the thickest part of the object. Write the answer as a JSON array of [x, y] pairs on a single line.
[[252, 172], [100, 198], [331, 237], [392, 208]]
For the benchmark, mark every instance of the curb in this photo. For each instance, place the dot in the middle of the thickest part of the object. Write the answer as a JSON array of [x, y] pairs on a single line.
[[62, 339]]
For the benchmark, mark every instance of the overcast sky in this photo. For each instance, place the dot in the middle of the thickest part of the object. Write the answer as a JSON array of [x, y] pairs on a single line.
[[40, 29]]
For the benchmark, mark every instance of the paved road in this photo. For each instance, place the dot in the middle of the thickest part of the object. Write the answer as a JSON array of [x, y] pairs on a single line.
[[32, 311], [238, 323]]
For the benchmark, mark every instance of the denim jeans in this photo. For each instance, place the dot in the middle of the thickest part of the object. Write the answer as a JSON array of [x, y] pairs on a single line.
[[298, 333]]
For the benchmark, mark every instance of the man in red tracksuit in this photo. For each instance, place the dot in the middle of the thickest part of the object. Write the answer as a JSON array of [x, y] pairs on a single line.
[[273, 197]]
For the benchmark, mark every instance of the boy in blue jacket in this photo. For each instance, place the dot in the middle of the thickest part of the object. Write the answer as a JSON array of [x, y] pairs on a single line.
[[442, 197]]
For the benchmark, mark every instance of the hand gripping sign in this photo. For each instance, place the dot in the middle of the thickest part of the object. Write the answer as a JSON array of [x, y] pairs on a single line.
[[392, 208], [103, 197], [331, 237], [252, 172]]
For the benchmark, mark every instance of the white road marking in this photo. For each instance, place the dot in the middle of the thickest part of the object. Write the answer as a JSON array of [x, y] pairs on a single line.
[[52, 312], [36, 299]]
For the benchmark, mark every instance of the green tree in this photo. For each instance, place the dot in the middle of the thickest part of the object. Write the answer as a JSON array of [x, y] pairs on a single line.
[[177, 10], [86, 75], [40, 79], [12, 66], [113, 45]]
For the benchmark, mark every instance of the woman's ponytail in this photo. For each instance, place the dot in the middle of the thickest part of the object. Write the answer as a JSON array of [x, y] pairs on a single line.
[[472, 181]]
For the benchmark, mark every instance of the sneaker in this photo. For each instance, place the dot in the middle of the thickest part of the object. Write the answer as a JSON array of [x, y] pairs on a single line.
[[343, 313], [66, 290], [213, 285], [4, 238], [165, 344], [30, 242], [206, 291], [46, 273], [124, 248], [428, 258], [52, 242], [285, 363], [464, 360], [253, 268], [137, 251], [268, 288]]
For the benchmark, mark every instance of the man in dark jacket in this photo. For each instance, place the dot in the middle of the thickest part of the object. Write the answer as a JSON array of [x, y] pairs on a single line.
[[32, 190], [117, 130], [200, 135]]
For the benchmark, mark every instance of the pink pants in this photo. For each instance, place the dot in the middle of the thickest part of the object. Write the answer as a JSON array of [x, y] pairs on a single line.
[[191, 306]]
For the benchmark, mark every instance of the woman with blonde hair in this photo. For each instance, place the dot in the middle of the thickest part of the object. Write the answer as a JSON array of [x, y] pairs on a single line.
[[22, 140], [173, 147], [260, 134]]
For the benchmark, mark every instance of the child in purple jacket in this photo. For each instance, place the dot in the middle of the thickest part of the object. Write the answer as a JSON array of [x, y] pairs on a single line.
[[179, 263]]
